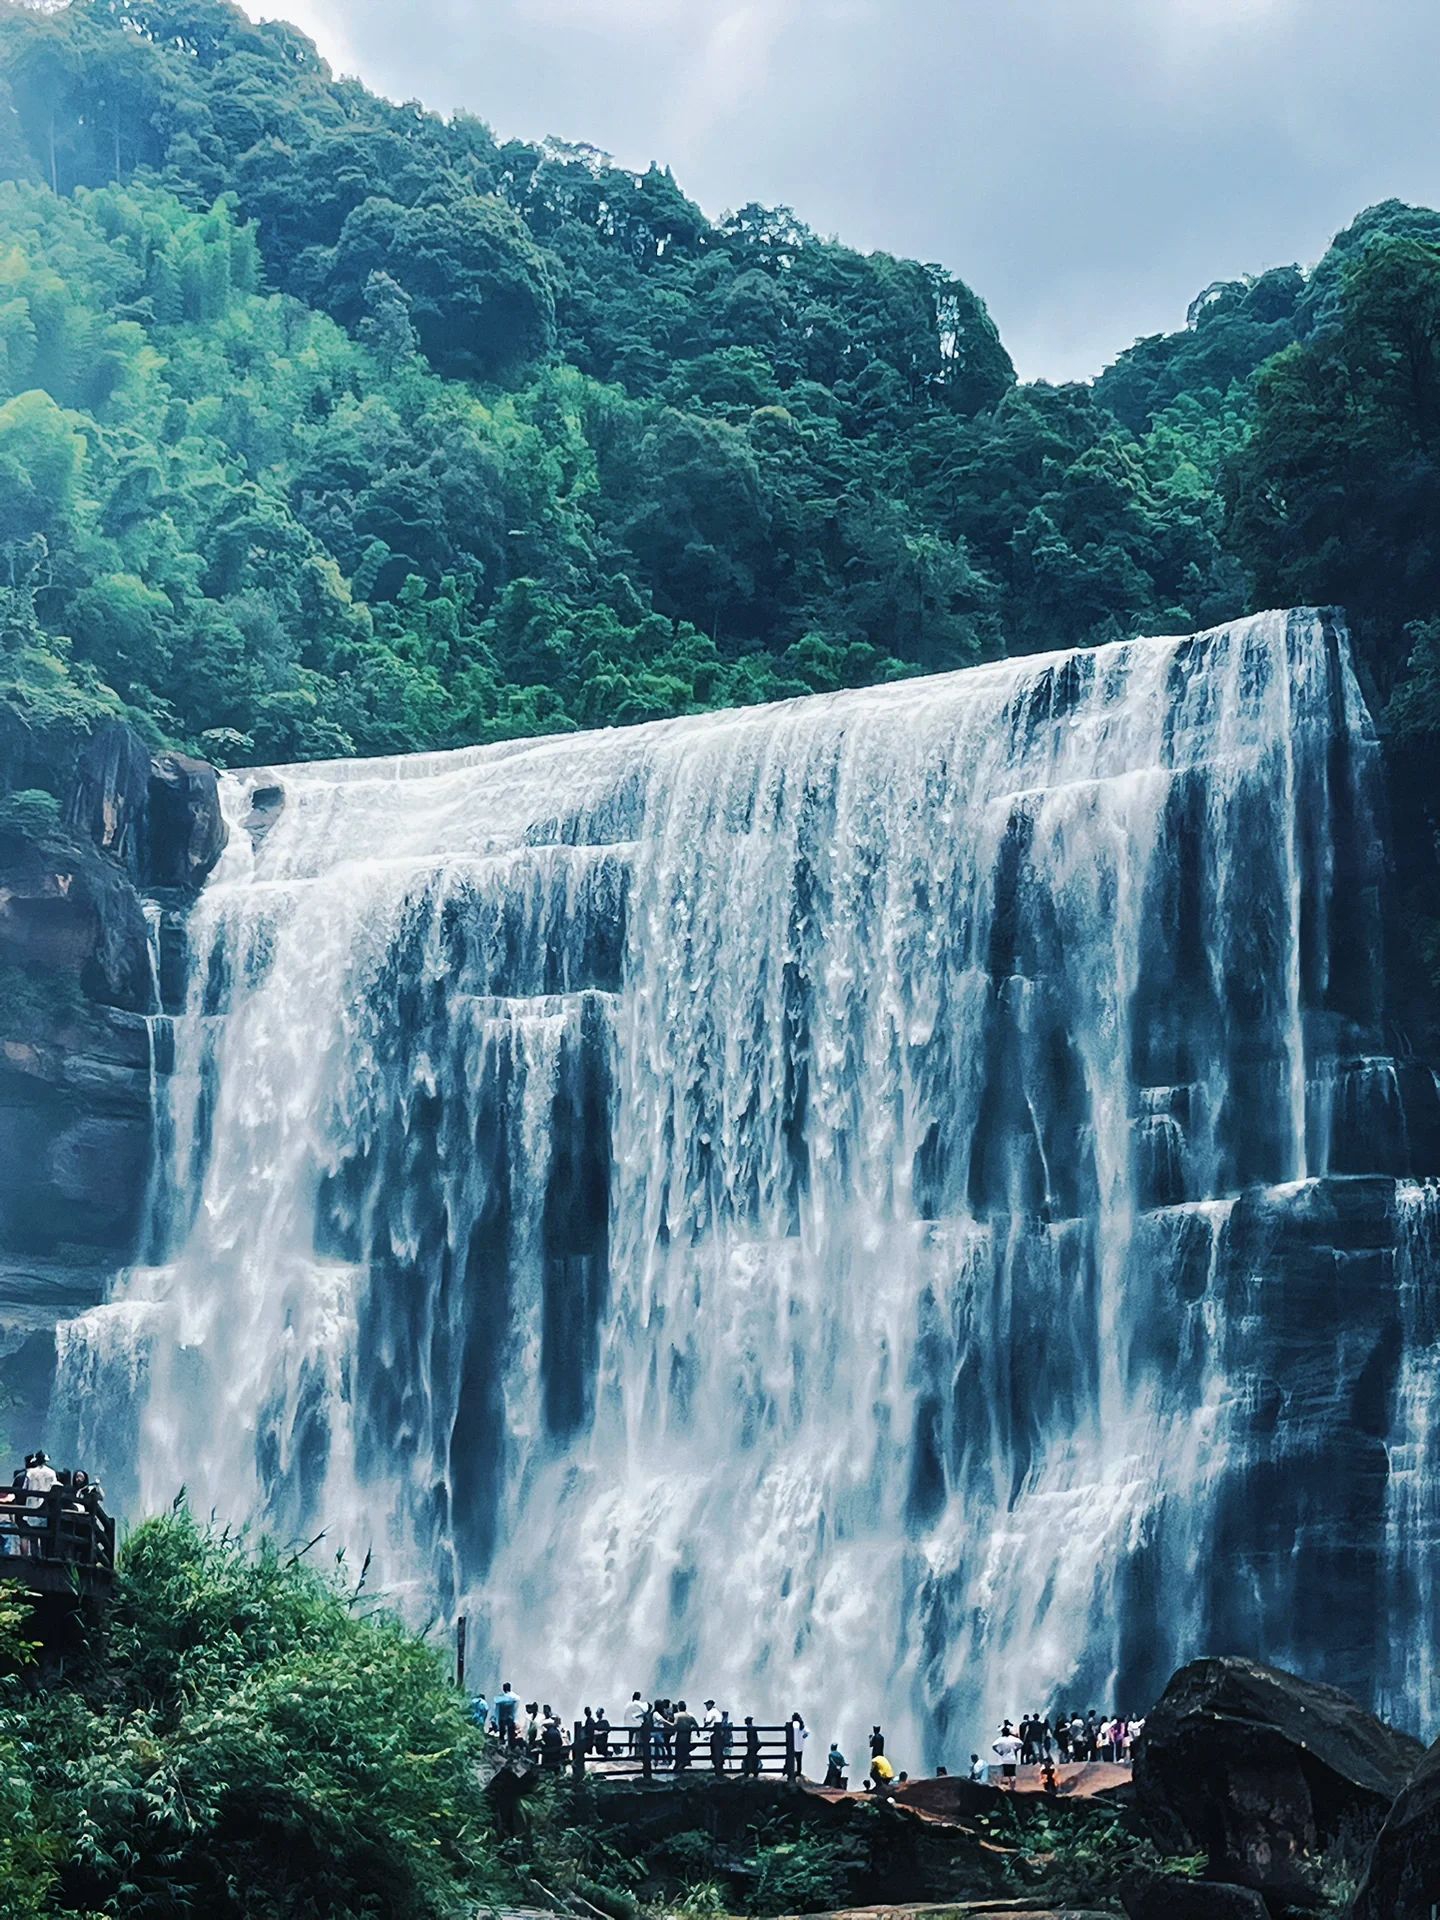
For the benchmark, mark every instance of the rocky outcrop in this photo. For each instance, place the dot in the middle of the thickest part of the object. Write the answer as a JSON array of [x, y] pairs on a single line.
[[1257, 1768], [72, 929], [157, 817], [187, 830], [108, 803], [1402, 1877], [81, 974]]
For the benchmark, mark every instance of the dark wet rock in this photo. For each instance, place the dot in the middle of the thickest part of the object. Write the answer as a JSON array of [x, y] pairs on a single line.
[[187, 829], [1402, 1877], [71, 928], [108, 801], [1169, 1896], [266, 806], [1255, 1768]]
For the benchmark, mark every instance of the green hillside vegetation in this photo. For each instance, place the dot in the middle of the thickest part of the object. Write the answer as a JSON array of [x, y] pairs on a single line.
[[330, 426], [250, 1737]]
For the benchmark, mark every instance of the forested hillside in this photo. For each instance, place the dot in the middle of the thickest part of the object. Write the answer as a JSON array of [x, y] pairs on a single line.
[[330, 426]]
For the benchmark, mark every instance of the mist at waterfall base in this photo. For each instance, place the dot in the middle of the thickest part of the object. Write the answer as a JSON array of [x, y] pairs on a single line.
[[793, 1205]]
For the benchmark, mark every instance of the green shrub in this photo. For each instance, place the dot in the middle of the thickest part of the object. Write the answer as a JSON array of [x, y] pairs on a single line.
[[1076, 1853], [253, 1742], [806, 1873]]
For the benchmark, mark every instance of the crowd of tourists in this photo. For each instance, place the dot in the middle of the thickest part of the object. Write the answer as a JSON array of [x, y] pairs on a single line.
[[1070, 1739], [666, 1736], [38, 1493]]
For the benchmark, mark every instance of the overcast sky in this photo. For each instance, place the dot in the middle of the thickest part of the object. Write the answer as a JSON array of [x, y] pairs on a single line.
[[1086, 165]]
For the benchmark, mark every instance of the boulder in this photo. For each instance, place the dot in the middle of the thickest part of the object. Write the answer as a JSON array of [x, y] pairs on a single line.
[[266, 806], [1402, 1876], [109, 795], [1170, 1896], [71, 927], [1256, 1768], [187, 829]]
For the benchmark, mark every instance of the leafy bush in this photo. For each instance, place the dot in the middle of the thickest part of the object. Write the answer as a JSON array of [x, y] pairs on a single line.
[[804, 1873], [253, 1741], [1076, 1853]]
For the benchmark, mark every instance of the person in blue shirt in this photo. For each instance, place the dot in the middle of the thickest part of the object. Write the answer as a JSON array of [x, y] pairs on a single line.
[[507, 1712], [480, 1711]]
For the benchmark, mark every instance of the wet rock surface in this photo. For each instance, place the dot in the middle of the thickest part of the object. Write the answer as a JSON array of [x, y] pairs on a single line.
[[79, 981], [109, 799], [1402, 1877], [1256, 1768], [187, 831]]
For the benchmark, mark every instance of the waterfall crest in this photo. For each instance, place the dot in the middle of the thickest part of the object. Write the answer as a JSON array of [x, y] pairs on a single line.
[[778, 1202]]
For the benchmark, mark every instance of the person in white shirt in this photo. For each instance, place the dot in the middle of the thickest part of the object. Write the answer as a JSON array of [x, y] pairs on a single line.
[[634, 1720], [1007, 1748], [40, 1476]]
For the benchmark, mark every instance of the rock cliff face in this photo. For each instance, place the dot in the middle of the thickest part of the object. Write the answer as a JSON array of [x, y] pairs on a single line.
[[79, 959]]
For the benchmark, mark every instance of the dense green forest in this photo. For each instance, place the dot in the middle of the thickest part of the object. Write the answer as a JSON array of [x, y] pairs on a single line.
[[329, 425]]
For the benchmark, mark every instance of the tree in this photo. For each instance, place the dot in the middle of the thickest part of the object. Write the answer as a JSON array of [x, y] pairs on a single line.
[[1337, 495], [481, 292]]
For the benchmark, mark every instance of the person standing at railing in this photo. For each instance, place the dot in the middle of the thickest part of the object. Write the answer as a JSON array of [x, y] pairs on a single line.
[[506, 1713], [634, 1723], [9, 1497], [552, 1747], [602, 1736], [750, 1765], [686, 1727], [40, 1479]]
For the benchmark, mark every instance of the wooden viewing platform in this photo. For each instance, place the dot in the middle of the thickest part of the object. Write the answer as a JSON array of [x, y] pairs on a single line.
[[53, 1549], [635, 1753]]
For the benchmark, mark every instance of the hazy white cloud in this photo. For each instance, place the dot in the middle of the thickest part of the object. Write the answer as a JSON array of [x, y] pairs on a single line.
[[1087, 165]]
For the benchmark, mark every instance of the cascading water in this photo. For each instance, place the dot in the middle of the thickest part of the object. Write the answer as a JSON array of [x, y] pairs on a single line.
[[746, 1205]]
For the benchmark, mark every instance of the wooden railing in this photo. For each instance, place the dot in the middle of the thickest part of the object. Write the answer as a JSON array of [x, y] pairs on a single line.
[[35, 1528], [643, 1753]]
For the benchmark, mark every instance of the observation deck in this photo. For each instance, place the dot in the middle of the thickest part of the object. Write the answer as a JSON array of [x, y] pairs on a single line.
[[52, 1549]]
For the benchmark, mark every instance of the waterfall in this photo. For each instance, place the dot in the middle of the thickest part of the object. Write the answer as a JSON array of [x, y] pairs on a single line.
[[747, 1205]]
